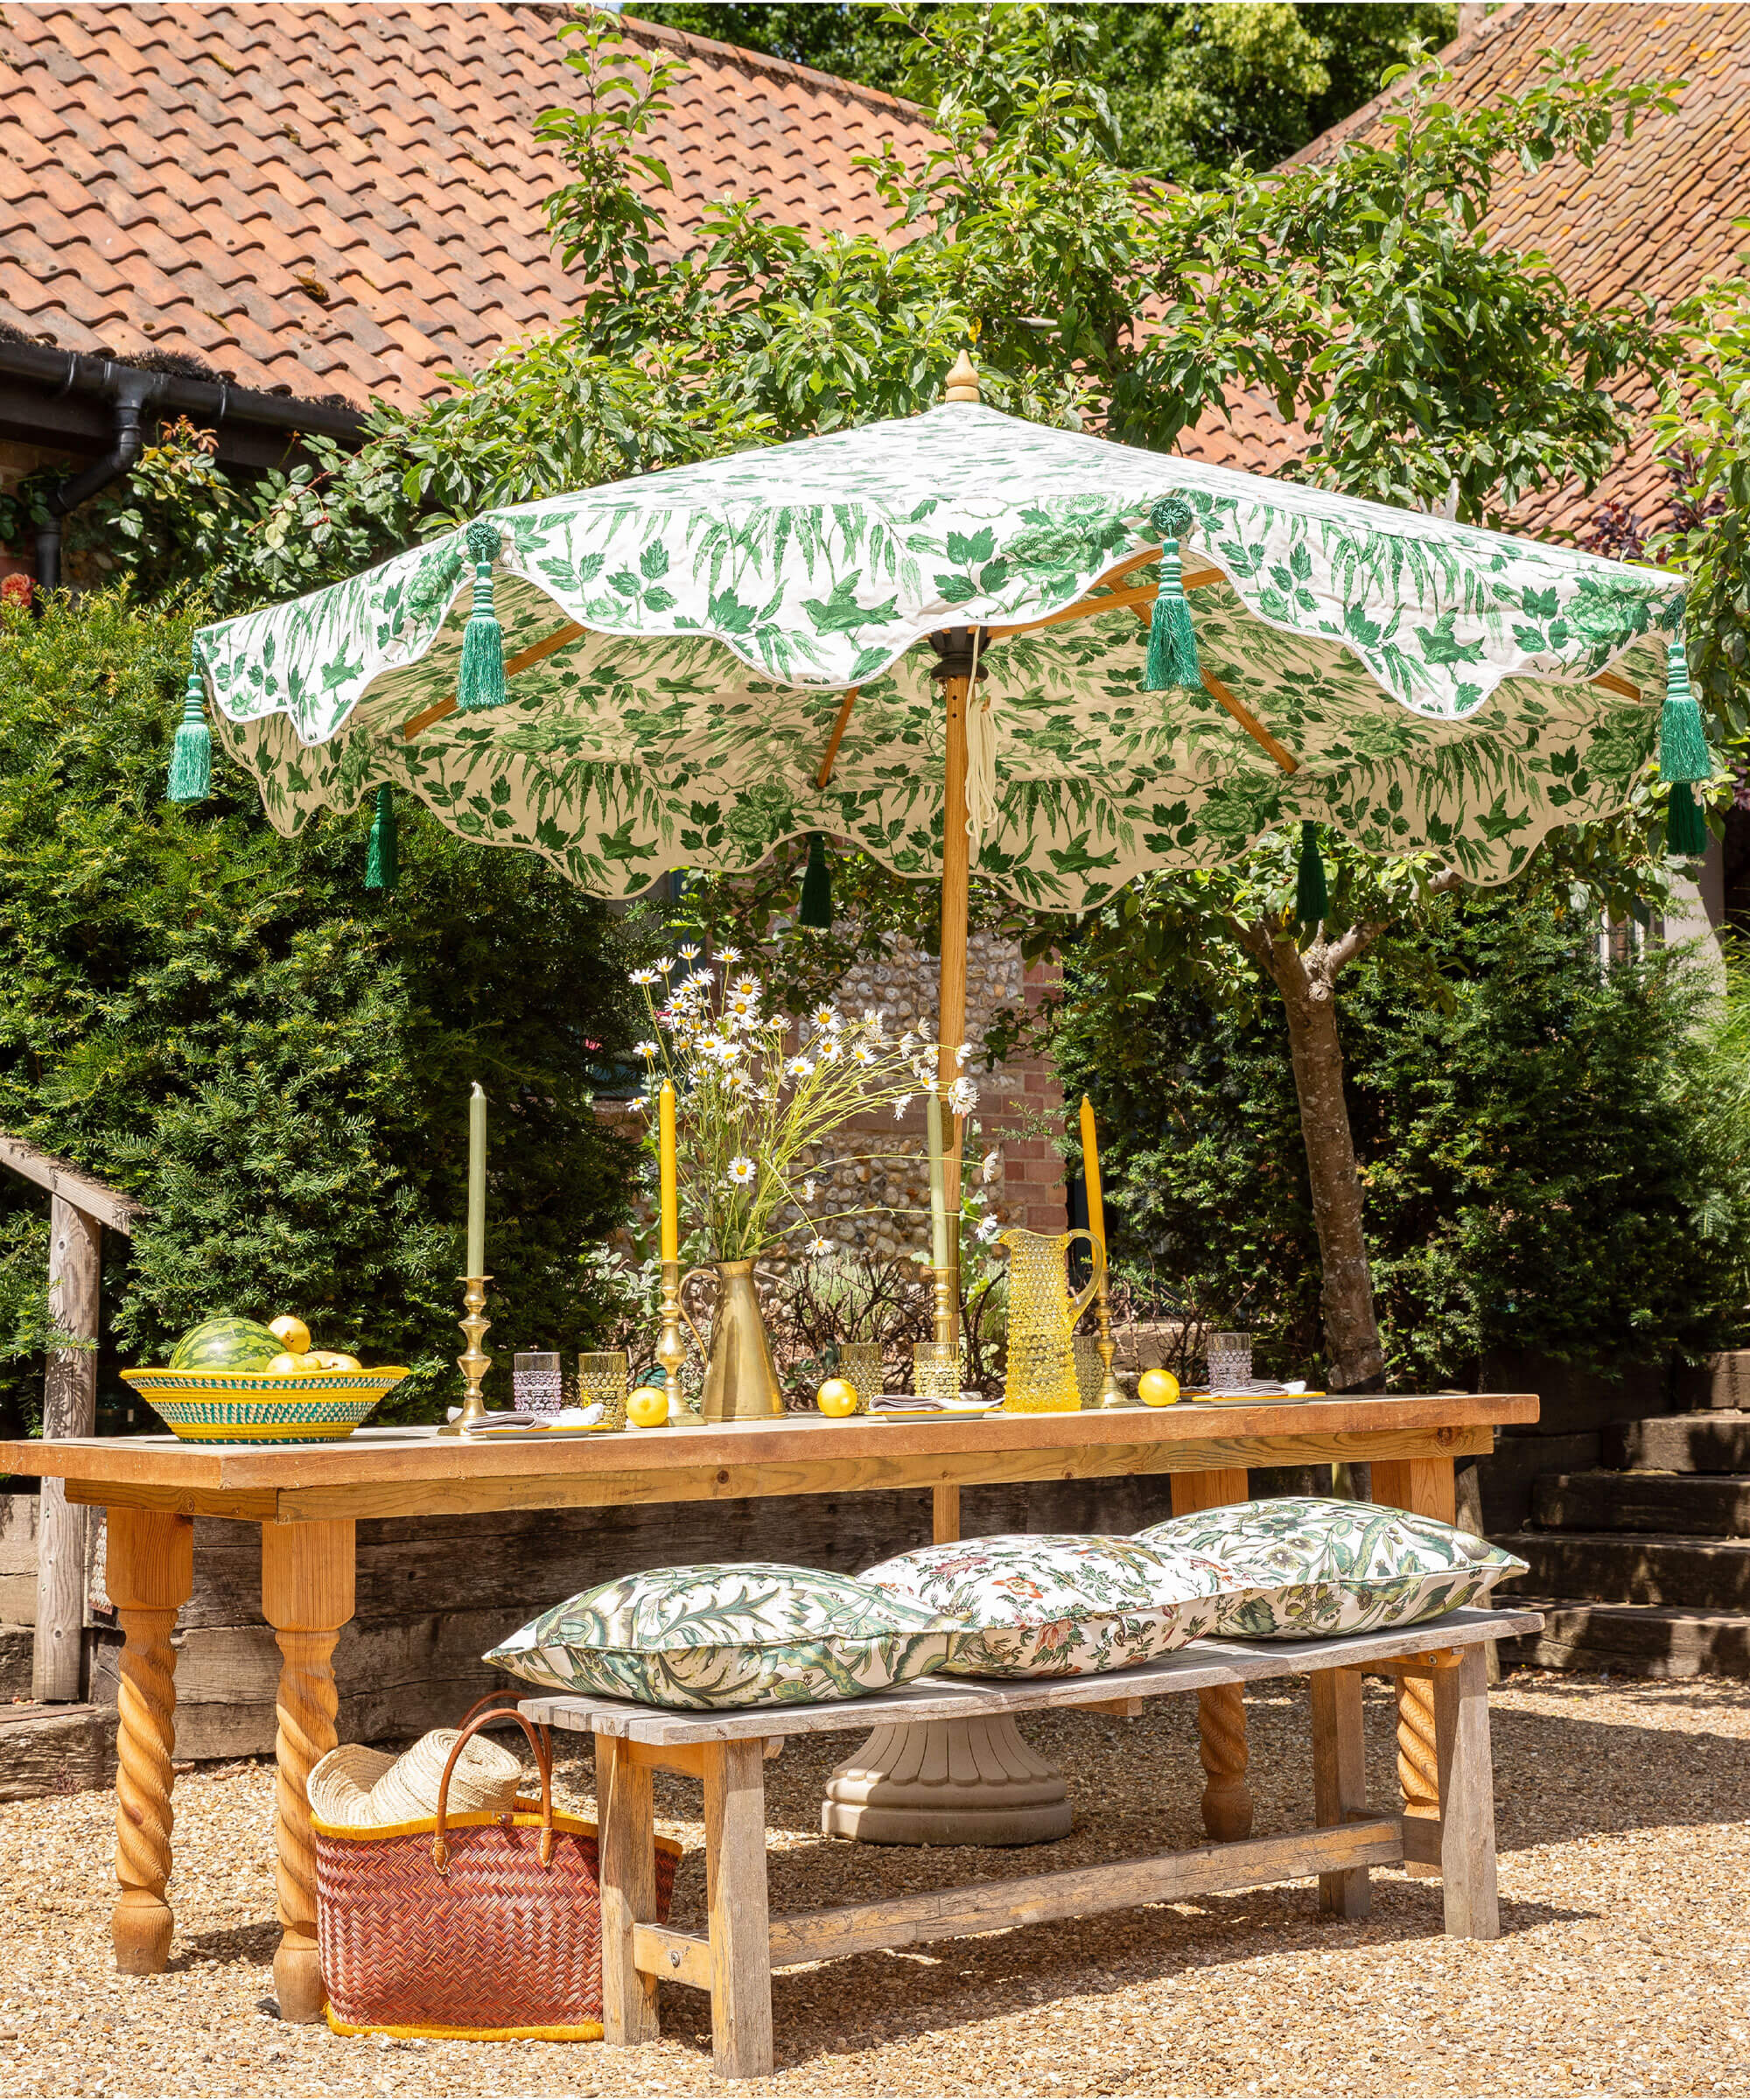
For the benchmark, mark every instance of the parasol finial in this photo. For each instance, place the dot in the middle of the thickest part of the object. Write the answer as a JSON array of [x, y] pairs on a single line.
[[963, 382]]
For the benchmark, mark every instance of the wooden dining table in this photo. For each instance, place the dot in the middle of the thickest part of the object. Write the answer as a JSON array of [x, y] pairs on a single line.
[[308, 1499]]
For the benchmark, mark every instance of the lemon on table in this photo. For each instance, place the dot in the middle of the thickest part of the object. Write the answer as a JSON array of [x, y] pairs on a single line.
[[292, 1333], [646, 1407], [1157, 1389], [837, 1398]]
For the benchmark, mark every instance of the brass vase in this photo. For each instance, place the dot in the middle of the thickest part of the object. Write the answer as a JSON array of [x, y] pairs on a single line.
[[741, 1382]]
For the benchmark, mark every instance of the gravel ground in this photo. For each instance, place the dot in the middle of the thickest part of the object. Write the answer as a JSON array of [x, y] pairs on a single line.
[[1625, 1883]]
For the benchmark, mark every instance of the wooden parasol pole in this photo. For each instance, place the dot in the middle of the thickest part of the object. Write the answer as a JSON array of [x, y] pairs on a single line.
[[952, 1004]]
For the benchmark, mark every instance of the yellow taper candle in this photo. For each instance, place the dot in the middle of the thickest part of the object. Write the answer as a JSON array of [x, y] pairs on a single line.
[[665, 1156], [477, 1181], [1090, 1175]]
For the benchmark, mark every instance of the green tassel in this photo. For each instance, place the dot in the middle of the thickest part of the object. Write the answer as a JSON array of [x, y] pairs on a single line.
[[1172, 640], [191, 758], [816, 908], [1311, 898], [480, 680], [383, 863], [1683, 740], [1685, 826]]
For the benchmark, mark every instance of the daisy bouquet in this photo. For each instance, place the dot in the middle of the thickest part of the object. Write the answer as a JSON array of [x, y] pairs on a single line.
[[759, 1097]]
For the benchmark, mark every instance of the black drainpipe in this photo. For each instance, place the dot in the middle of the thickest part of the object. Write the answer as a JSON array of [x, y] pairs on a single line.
[[131, 393]]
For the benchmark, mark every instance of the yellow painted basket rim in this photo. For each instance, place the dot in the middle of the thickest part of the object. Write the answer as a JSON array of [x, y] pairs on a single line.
[[274, 1384]]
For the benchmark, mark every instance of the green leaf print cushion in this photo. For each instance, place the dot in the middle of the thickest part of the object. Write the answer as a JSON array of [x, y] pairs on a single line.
[[1061, 1606], [1319, 1566], [746, 1633]]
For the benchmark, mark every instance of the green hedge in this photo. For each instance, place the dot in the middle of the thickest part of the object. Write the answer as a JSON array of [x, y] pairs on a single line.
[[226, 1025], [1542, 1169]]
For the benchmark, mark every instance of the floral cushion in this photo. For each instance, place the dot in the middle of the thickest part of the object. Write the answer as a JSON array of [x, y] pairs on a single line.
[[1060, 1606], [1317, 1566], [747, 1633]]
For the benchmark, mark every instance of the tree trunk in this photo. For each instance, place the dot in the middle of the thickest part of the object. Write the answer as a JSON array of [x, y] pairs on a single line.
[[1307, 984]]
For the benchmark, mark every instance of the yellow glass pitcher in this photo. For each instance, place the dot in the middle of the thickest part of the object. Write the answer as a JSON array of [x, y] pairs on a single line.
[[1042, 1317]]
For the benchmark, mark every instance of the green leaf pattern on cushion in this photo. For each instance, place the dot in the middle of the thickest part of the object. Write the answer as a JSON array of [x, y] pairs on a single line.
[[1061, 1606], [1432, 678], [1322, 1567], [748, 1634]]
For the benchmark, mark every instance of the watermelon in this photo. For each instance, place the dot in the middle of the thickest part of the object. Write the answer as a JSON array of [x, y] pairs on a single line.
[[226, 1345]]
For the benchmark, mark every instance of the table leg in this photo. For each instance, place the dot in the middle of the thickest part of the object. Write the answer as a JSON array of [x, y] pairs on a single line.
[[1222, 1709], [1467, 1778], [625, 1816], [1339, 1779], [735, 1898], [1426, 1485], [307, 1576], [945, 1514], [149, 1572]]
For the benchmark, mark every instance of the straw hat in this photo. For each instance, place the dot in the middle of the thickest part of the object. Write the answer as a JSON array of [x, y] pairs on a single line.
[[357, 1787]]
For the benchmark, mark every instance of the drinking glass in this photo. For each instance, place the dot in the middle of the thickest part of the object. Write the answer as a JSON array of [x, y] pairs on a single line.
[[859, 1363], [1231, 1362], [1090, 1372], [537, 1382], [602, 1377], [935, 1370]]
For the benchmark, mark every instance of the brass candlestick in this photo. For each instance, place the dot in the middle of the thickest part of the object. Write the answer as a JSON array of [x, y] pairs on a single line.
[[472, 1364], [671, 1347], [1111, 1393]]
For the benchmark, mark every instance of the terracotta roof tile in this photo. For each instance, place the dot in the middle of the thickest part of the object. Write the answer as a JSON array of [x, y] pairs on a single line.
[[1652, 217], [169, 172]]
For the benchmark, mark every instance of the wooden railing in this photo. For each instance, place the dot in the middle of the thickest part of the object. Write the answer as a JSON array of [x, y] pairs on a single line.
[[80, 1208]]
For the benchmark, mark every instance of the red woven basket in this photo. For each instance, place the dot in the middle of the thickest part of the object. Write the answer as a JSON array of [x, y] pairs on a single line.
[[477, 1926]]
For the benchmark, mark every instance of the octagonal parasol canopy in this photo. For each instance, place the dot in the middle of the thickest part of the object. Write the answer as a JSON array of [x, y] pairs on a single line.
[[704, 663]]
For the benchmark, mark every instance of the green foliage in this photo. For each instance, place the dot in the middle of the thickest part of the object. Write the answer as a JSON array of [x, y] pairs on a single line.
[[1548, 1158], [1184, 86], [221, 1023]]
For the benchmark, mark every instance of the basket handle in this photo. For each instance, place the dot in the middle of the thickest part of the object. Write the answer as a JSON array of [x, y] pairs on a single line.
[[543, 1764]]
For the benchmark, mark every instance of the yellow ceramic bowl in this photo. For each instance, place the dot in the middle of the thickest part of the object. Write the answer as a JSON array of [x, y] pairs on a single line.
[[263, 1407]]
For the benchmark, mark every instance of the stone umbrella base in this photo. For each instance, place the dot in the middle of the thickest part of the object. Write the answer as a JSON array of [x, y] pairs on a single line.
[[947, 1782]]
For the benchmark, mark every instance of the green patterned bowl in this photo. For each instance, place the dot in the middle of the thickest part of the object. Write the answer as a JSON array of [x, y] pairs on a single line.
[[263, 1407]]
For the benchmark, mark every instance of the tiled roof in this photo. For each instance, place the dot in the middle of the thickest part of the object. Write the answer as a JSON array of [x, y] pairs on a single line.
[[345, 199], [1652, 216]]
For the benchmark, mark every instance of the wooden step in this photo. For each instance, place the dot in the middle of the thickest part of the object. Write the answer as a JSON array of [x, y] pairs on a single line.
[[1717, 1441], [1634, 1640], [15, 1644], [55, 1750], [1630, 1567], [1684, 1505]]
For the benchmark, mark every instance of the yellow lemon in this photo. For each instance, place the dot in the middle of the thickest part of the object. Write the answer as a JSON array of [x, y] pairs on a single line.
[[292, 1332], [1157, 1389], [647, 1407], [837, 1396]]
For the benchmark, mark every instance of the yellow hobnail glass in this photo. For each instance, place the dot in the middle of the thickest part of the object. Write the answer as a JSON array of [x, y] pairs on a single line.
[[602, 1377], [859, 1364]]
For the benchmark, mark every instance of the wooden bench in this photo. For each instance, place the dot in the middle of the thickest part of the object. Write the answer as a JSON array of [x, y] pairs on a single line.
[[733, 1960]]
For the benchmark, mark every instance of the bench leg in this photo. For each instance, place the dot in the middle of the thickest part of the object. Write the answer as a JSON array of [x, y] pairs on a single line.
[[1339, 1780], [1467, 1776], [625, 1816], [1428, 1487], [735, 1896], [1222, 1710]]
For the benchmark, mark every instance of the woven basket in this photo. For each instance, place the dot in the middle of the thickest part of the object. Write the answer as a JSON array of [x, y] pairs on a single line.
[[471, 1927]]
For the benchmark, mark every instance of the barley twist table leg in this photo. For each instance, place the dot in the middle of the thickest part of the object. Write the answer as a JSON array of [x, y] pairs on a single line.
[[306, 1598], [1427, 1487], [1222, 1745], [1222, 1710], [150, 1572]]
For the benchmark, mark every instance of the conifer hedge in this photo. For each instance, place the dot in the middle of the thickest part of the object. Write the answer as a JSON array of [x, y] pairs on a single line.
[[272, 1060]]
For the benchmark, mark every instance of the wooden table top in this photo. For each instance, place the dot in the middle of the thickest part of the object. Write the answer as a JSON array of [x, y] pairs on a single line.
[[408, 1472]]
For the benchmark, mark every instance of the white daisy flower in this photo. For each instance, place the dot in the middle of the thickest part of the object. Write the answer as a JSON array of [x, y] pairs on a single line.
[[644, 976], [665, 964], [962, 1051], [900, 1105], [807, 1192], [800, 1068], [908, 1042], [818, 1247], [963, 1097], [746, 988], [729, 956], [741, 1172], [646, 1049], [824, 1017], [986, 1230], [689, 949], [863, 1054]]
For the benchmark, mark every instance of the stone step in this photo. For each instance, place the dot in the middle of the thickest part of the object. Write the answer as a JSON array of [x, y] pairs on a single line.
[[1685, 1505], [1628, 1567], [55, 1750], [1717, 1441], [1636, 1640]]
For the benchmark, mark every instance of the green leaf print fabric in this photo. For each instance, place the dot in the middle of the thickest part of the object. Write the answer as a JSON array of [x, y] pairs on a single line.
[[1063, 1605], [1431, 679], [747, 1633], [1322, 1566]]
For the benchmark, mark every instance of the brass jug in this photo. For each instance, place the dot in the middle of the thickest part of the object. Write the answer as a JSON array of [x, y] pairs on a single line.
[[740, 1379], [1042, 1317]]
